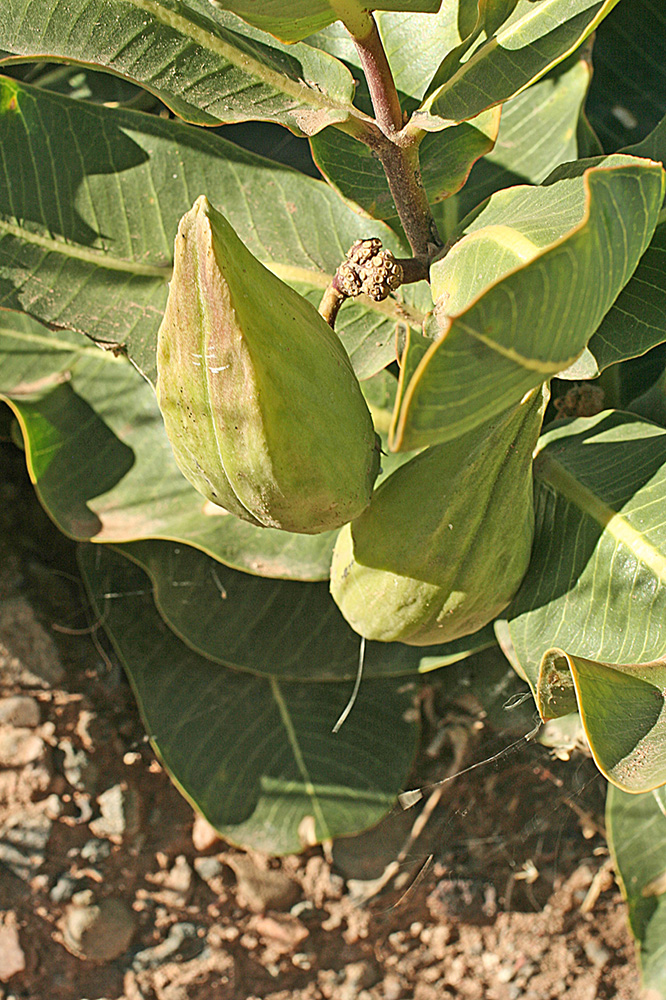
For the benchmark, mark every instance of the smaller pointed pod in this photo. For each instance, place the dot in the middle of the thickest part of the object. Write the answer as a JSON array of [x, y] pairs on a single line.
[[260, 402], [447, 538]]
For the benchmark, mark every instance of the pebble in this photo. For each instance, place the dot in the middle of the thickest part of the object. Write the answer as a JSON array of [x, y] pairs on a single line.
[[65, 888], [19, 747], [121, 813], [24, 641], [23, 842], [208, 868], [95, 850], [19, 710], [79, 770], [98, 932], [596, 953], [182, 943], [12, 958], [263, 889], [393, 988], [204, 836], [283, 930]]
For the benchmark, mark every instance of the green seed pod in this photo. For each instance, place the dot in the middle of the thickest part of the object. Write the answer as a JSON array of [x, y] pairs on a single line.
[[446, 540], [260, 402]]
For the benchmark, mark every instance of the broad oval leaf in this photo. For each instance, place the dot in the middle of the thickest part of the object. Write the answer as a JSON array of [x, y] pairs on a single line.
[[522, 292], [210, 69], [636, 830], [87, 237], [587, 624], [103, 468], [255, 755], [511, 46], [273, 628]]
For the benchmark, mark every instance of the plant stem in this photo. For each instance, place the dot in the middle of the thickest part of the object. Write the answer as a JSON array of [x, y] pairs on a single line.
[[381, 85], [396, 148]]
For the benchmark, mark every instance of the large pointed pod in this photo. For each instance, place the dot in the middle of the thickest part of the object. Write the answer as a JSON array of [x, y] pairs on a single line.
[[260, 402], [446, 540]]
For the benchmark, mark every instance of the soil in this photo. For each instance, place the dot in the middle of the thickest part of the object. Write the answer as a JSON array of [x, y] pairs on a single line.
[[110, 886]]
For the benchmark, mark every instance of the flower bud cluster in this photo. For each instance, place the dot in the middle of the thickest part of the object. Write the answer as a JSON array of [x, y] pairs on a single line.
[[369, 270]]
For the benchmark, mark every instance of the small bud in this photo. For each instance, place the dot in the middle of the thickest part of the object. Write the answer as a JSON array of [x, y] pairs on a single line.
[[260, 402]]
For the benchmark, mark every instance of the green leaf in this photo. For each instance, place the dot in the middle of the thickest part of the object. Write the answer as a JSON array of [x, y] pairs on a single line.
[[256, 756], [302, 17], [87, 236], [637, 320], [446, 159], [512, 45], [273, 628], [209, 68], [519, 295], [101, 463], [628, 93], [537, 132], [414, 44], [636, 830], [586, 625]]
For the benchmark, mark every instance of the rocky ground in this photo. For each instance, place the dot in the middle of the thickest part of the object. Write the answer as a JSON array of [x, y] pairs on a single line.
[[110, 886]]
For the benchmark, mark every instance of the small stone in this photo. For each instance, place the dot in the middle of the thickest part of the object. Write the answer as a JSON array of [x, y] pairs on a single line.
[[281, 930], [28, 655], [23, 841], [19, 747], [98, 932], [596, 953], [121, 813], [95, 850], [53, 806], [181, 944], [262, 889], [467, 900], [19, 710], [175, 884], [65, 888], [393, 988], [79, 770], [12, 959], [207, 868], [304, 909], [303, 960], [204, 836]]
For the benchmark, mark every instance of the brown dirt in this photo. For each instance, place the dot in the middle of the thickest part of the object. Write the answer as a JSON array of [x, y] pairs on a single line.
[[516, 899]]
